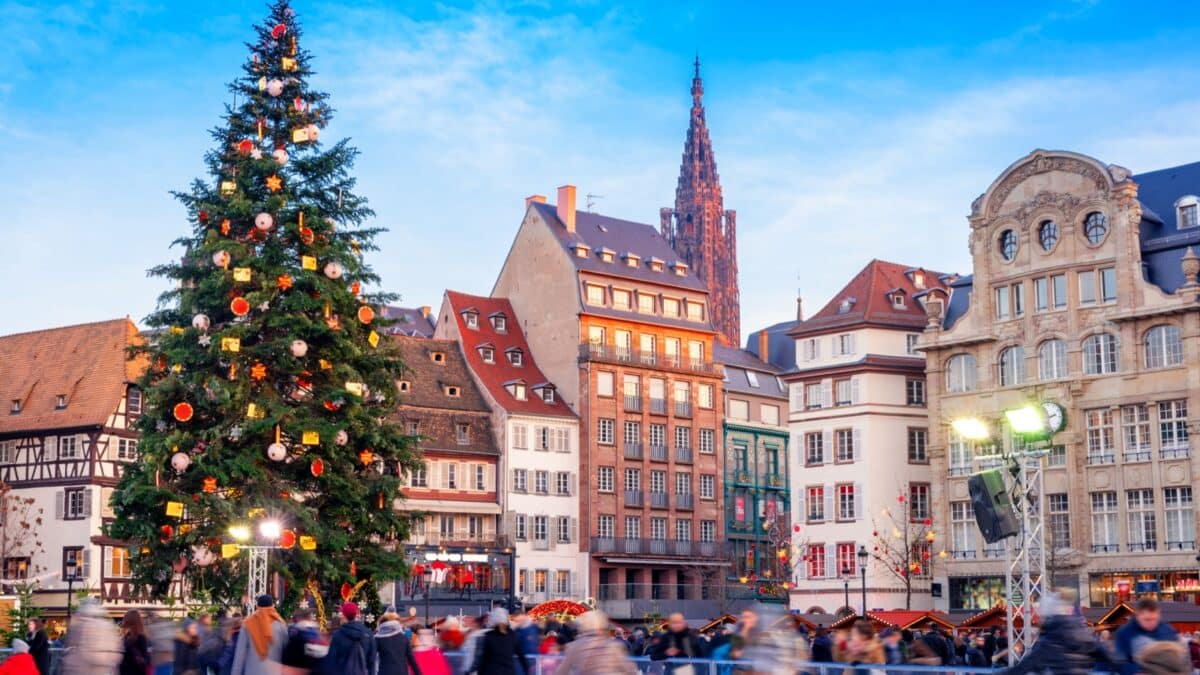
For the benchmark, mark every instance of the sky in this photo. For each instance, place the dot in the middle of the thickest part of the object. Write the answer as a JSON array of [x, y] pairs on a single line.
[[842, 131]]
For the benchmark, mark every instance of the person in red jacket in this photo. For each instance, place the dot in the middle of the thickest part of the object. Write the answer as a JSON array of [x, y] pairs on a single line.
[[20, 663]]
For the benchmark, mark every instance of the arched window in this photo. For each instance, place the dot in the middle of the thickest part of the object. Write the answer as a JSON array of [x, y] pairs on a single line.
[[1095, 227], [1048, 234], [1163, 347], [1100, 354], [1008, 244], [960, 373], [1012, 366], [1052, 360]]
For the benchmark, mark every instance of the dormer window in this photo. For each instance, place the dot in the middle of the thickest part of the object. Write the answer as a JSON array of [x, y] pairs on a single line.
[[438, 357], [695, 310], [582, 250], [60, 402], [404, 386], [516, 357], [670, 307], [656, 264], [679, 268], [133, 401], [1187, 212], [548, 394], [471, 319], [488, 354], [632, 259], [918, 279], [607, 255], [518, 390], [622, 299], [452, 391], [898, 300], [846, 305], [16, 407], [499, 323]]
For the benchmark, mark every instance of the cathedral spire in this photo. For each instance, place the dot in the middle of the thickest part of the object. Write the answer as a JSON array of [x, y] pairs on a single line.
[[702, 232]]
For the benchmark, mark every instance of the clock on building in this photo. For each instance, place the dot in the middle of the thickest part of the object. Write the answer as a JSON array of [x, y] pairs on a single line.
[[1056, 417]]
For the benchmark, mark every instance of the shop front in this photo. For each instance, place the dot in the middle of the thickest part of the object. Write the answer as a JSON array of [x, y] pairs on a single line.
[[469, 578], [1111, 588], [976, 593]]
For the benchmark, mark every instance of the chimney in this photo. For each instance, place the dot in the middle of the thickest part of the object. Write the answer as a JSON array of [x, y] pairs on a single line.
[[540, 199], [763, 346], [799, 308], [566, 206], [425, 310]]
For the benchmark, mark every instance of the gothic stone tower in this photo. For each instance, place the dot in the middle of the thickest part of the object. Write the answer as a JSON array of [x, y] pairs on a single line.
[[699, 228]]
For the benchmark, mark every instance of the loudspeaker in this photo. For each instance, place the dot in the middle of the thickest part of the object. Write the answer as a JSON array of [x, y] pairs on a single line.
[[993, 510]]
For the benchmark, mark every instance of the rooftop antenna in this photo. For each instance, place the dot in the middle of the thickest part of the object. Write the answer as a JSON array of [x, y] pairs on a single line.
[[591, 201]]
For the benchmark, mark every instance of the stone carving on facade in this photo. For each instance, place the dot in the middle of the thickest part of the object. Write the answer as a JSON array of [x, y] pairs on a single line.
[[1065, 203], [1040, 164], [1191, 268], [1119, 173]]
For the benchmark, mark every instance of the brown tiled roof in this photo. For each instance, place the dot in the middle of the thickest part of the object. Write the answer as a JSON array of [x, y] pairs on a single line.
[[868, 300], [495, 375], [88, 363], [429, 378]]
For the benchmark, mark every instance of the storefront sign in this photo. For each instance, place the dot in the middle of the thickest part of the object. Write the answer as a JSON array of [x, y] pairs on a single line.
[[457, 557]]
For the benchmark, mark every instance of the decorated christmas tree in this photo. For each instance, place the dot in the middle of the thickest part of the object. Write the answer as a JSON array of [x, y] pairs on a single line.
[[269, 387]]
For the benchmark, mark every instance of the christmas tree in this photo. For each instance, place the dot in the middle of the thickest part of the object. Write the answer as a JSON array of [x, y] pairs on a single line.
[[269, 388]]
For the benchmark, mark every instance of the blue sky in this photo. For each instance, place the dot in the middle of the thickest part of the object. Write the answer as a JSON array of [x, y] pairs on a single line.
[[842, 131]]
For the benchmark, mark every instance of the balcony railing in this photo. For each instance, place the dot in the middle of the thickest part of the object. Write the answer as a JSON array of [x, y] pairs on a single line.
[[1093, 460], [962, 555], [776, 481], [659, 500], [633, 451], [633, 403], [1105, 548], [658, 406], [670, 547], [684, 502], [1136, 456], [458, 538], [634, 498], [1176, 452], [658, 453], [741, 477], [683, 409], [1143, 547], [590, 351], [683, 455], [1181, 545]]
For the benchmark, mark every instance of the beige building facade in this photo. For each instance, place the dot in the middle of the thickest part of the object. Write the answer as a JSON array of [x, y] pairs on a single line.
[[1084, 293]]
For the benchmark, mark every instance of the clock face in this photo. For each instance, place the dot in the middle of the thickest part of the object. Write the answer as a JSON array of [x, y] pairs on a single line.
[[1055, 416]]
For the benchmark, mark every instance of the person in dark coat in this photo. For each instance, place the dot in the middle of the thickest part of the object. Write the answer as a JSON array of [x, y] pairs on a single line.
[[394, 647], [822, 646], [1065, 645], [351, 639], [136, 656], [1145, 628], [677, 642], [305, 646], [497, 651], [187, 649], [976, 655], [39, 645]]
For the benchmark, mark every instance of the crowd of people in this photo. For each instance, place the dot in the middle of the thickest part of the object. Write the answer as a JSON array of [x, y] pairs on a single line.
[[761, 641]]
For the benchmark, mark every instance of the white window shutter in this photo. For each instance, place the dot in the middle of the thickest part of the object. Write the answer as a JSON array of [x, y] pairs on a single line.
[[827, 450], [858, 502], [826, 393], [489, 477], [87, 502], [854, 390], [86, 566], [574, 530], [830, 562], [857, 444], [852, 349], [830, 503], [572, 481], [60, 504]]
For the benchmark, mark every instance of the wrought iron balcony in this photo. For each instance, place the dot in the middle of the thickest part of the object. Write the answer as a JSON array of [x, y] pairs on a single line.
[[683, 409], [659, 500], [658, 406], [634, 498], [633, 403], [658, 453], [590, 351], [666, 547], [684, 502], [683, 454], [633, 451]]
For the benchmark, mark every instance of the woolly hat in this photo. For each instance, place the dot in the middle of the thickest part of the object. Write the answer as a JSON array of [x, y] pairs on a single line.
[[20, 646], [265, 600], [1164, 658], [350, 611]]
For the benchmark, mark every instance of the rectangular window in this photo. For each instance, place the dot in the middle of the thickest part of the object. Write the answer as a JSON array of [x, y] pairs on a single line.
[[816, 561], [695, 310], [815, 503], [962, 530], [843, 392], [541, 528], [846, 559], [671, 352], [520, 533], [670, 307], [1002, 309], [1018, 299], [918, 442], [604, 478], [961, 453], [541, 482], [1143, 531], [844, 445], [622, 299], [683, 529], [1104, 522], [914, 391], [1057, 456], [918, 501], [1058, 520], [1108, 285], [595, 294], [910, 343], [658, 482], [562, 582], [1040, 295], [521, 480], [633, 480], [133, 407], [623, 341], [539, 579], [16, 567], [739, 409], [1100, 443], [607, 527], [645, 303], [563, 530], [1180, 515], [562, 483], [1058, 284], [1087, 287], [1172, 429], [480, 477], [68, 448], [708, 530], [707, 441], [843, 345], [1135, 429], [658, 435], [126, 449], [605, 428], [769, 414], [707, 486], [420, 477], [704, 396], [520, 435], [74, 504], [847, 504], [814, 396], [633, 527], [8, 452], [811, 349], [814, 448], [446, 527], [683, 483], [683, 437], [116, 562], [658, 529], [74, 563], [463, 433], [604, 384]]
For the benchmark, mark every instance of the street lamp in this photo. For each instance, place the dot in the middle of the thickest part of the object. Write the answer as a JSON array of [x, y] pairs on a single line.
[[428, 574], [862, 567], [846, 586], [71, 577]]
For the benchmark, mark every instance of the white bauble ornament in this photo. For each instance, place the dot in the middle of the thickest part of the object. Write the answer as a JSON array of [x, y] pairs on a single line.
[[333, 270], [203, 556], [281, 156], [341, 438], [299, 348], [180, 461], [200, 322], [275, 87], [276, 451], [264, 221], [221, 258], [256, 153]]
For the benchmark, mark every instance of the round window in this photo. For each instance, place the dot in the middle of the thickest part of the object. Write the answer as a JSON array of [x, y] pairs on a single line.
[[1095, 227], [1008, 244], [1048, 234]]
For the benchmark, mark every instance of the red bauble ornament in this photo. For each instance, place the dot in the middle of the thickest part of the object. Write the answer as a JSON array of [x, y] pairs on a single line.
[[796, 528], [203, 216], [306, 236], [165, 533], [183, 411], [278, 31], [245, 146], [365, 314], [347, 592], [287, 539], [900, 499], [240, 306], [928, 522], [317, 467]]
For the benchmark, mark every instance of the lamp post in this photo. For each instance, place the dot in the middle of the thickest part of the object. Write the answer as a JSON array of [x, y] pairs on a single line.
[[846, 586], [71, 577], [428, 575], [862, 568], [269, 531]]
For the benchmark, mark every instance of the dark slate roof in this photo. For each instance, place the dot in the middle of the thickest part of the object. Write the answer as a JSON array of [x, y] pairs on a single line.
[[781, 347], [737, 362], [620, 236], [428, 378], [410, 321], [960, 300]]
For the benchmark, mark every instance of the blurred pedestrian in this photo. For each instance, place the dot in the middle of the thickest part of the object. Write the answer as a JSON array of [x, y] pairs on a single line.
[[822, 646], [95, 645], [394, 648], [260, 643], [136, 657], [593, 651], [20, 662], [305, 647], [187, 649], [678, 641], [862, 647], [1065, 644], [39, 645], [1144, 628], [352, 647], [429, 658], [1164, 658], [498, 647], [231, 630]]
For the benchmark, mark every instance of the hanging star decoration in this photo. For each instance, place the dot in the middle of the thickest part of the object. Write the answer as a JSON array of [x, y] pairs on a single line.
[[205, 340], [264, 306], [283, 282], [258, 371], [274, 183]]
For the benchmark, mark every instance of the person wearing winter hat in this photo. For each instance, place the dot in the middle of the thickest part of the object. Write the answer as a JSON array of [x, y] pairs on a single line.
[[1164, 658], [394, 648], [498, 648], [352, 649], [260, 643], [21, 662]]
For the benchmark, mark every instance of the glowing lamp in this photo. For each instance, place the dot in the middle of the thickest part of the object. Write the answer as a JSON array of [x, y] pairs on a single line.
[[971, 428], [1026, 420], [270, 529], [239, 532]]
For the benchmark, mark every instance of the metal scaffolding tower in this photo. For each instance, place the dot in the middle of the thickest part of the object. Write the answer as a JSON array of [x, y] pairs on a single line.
[[1025, 556], [257, 584]]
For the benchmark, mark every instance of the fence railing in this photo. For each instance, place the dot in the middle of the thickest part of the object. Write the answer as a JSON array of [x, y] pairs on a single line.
[[547, 664]]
